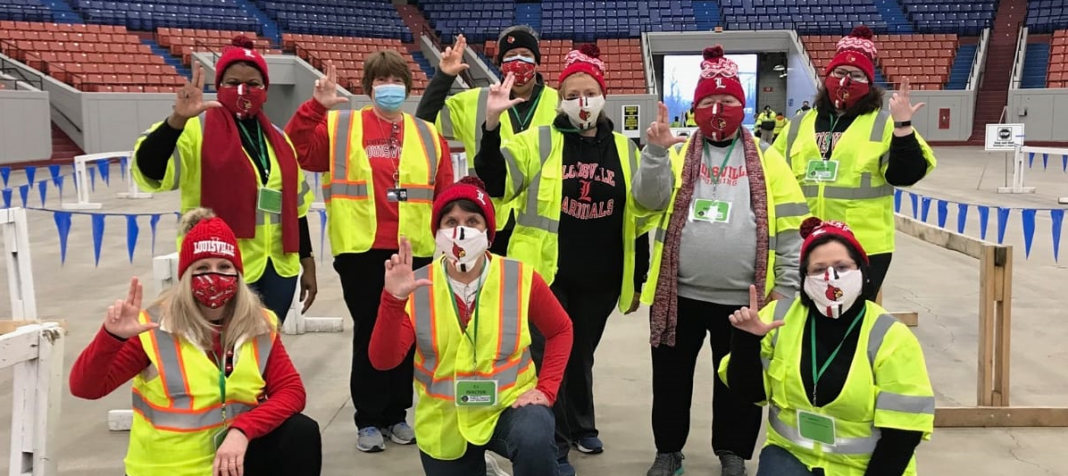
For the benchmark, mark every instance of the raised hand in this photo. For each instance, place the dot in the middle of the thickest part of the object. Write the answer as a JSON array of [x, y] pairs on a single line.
[[189, 101], [748, 320], [122, 318], [499, 101], [452, 60], [901, 108], [325, 92], [659, 132], [400, 279]]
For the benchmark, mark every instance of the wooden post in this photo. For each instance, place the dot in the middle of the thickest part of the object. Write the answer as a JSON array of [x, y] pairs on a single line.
[[36, 352]]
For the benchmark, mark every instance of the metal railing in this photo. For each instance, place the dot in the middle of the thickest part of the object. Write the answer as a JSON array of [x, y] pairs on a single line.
[[1020, 56], [436, 41], [650, 66], [21, 80], [74, 80], [979, 62]]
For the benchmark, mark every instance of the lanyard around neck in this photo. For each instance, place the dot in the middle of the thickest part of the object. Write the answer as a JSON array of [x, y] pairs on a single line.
[[523, 123], [817, 370], [261, 146], [473, 309], [220, 361], [830, 135], [722, 167]]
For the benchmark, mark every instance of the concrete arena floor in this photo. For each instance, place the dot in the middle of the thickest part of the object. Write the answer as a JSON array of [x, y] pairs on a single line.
[[941, 285]]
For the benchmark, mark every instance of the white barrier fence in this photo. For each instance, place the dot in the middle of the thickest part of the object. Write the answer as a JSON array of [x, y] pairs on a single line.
[[82, 180], [36, 353], [18, 262]]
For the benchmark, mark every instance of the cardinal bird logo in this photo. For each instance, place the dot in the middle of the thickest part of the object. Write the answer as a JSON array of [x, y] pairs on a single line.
[[511, 39], [720, 123], [584, 115], [852, 59], [244, 104], [457, 251], [834, 293]]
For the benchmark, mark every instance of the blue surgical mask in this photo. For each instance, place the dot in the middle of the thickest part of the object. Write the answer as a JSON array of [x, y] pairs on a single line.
[[390, 97]]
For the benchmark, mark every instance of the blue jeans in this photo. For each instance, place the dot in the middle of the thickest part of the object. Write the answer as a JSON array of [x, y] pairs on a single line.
[[524, 435], [776, 461], [275, 291]]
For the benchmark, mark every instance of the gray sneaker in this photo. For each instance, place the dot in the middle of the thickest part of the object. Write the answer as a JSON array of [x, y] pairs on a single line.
[[492, 467], [400, 433], [666, 464], [732, 464], [370, 440]]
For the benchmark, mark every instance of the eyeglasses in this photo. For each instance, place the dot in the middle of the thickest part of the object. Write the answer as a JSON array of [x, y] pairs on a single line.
[[856, 76]]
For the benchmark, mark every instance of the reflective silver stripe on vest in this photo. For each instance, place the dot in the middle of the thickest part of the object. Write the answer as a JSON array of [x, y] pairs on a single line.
[[878, 333], [905, 403], [264, 343], [170, 364], [480, 116], [304, 189], [446, 122], [514, 170], [530, 217], [421, 304], [781, 308], [341, 147], [863, 192], [879, 128], [186, 420], [426, 136], [350, 190], [632, 158], [791, 134], [791, 210], [843, 446], [446, 387]]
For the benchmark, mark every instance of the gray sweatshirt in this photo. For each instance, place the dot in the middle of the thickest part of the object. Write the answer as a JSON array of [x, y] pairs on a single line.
[[716, 258]]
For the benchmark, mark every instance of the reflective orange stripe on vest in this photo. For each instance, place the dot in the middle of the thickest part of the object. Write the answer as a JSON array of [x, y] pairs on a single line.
[[504, 371]]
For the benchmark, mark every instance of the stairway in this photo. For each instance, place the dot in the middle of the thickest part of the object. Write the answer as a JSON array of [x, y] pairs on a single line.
[[707, 14], [415, 21], [894, 16], [62, 12], [423, 63], [994, 90], [167, 56], [271, 30], [63, 148], [1035, 64], [962, 67]]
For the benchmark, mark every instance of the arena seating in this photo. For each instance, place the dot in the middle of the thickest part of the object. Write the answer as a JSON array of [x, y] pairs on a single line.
[[1057, 75], [806, 16], [1044, 16], [478, 20], [588, 20], [367, 18], [96, 58], [623, 61], [147, 15], [951, 16], [925, 59], [25, 10], [183, 41], [348, 54]]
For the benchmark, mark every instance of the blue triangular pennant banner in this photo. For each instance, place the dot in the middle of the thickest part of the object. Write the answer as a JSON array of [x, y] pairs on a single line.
[[92, 178], [124, 163], [915, 204], [131, 235], [1028, 219], [1057, 216], [59, 185], [962, 217], [897, 200], [925, 209], [1064, 163], [984, 220], [54, 171], [105, 171], [24, 193], [1030, 160], [63, 227], [31, 175], [42, 188], [152, 222], [7, 197], [322, 234], [943, 213], [5, 173], [98, 236], [1045, 161], [1003, 222]]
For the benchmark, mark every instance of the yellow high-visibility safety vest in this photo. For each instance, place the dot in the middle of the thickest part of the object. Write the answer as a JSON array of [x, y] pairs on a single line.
[[786, 210], [887, 387], [349, 187], [534, 160], [860, 197], [496, 348], [177, 408], [183, 174], [465, 113]]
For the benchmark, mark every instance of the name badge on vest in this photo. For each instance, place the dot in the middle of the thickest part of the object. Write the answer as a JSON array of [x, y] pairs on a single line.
[[476, 393], [269, 201], [713, 211], [816, 427], [397, 194], [820, 170]]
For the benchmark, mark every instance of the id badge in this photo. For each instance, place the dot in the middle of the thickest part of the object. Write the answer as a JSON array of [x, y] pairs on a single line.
[[218, 438], [270, 201], [476, 393], [820, 170], [816, 427], [713, 211], [397, 194]]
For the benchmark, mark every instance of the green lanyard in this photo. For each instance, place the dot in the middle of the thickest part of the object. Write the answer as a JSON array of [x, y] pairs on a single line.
[[830, 136], [722, 167], [530, 113], [816, 374], [221, 362], [456, 309], [261, 147]]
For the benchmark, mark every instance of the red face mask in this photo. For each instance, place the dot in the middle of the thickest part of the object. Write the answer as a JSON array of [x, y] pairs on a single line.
[[521, 67], [844, 92], [214, 290], [241, 100], [719, 122]]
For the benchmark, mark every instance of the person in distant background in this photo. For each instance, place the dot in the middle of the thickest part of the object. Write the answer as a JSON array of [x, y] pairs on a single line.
[[226, 155], [765, 124], [780, 124], [804, 108], [675, 123], [691, 119], [462, 115]]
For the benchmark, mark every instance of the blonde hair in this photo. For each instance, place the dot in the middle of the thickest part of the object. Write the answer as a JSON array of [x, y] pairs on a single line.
[[180, 313]]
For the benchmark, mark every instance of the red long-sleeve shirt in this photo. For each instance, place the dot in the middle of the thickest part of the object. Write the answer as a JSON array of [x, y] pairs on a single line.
[[108, 363], [307, 129], [394, 334]]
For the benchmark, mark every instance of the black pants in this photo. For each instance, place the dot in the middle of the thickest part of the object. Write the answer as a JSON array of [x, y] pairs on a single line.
[[735, 421], [589, 311], [523, 435], [879, 265], [293, 449], [275, 291], [381, 398]]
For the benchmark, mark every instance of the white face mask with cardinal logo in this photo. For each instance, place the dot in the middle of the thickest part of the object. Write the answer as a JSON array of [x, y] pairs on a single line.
[[583, 111], [834, 292], [462, 246]]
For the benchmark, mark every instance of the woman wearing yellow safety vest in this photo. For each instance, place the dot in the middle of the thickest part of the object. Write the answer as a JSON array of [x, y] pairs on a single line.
[[469, 315], [849, 153], [226, 155], [382, 169], [576, 223], [846, 384], [732, 219], [214, 392], [462, 115]]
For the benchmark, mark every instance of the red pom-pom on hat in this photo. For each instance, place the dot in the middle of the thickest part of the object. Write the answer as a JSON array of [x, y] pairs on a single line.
[[713, 52], [591, 50], [472, 180], [241, 49], [813, 228], [861, 31], [242, 41], [809, 225]]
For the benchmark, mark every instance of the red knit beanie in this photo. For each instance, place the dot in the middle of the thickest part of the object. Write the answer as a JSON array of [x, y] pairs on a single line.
[[814, 228], [719, 75], [209, 238], [586, 59], [858, 50], [241, 50], [468, 188]]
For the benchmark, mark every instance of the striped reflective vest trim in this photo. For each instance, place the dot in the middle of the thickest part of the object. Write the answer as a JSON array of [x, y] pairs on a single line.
[[535, 162], [887, 386], [860, 196], [176, 402], [183, 174], [348, 189], [496, 348]]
